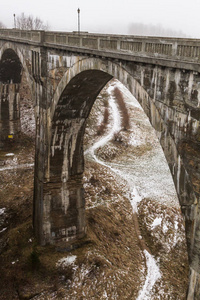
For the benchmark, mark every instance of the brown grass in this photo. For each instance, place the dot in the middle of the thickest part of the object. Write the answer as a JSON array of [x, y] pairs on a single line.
[[122, 106], [102, 127], [174, 263]]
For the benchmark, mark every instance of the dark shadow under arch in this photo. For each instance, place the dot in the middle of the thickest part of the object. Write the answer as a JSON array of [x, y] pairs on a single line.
[[75, 103], [10, 67]]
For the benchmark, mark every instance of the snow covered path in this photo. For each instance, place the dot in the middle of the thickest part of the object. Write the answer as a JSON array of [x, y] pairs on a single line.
[[22, 166], [153, 272]]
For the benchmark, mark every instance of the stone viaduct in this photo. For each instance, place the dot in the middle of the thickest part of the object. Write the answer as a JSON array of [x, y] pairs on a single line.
[[65, 73]]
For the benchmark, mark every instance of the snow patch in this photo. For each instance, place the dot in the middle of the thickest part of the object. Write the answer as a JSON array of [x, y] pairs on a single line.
[[153, 274], [176, 238], [17, 167], [134, 199], [165, 228], [66, 261], [156, 223], [134, 141], [3, 229], [10, 154], [105, 296], [2, 211]]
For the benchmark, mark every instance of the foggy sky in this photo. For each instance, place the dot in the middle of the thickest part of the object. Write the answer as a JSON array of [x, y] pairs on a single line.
[[107, 16]]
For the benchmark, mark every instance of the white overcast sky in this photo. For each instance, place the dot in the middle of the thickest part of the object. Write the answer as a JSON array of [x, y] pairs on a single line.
[[107, 16]]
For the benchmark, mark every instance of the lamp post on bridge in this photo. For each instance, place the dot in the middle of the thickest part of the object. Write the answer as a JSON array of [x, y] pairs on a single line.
[[14, 21], [78, 10]]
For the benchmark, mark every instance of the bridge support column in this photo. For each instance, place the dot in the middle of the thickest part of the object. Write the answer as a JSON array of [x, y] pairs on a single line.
[[194, 256], [63, 212], [194, 285], [59, 204], [9, 113], [60, 212]]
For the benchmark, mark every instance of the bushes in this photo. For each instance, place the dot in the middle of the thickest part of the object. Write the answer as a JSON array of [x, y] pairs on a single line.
[[34, 260]]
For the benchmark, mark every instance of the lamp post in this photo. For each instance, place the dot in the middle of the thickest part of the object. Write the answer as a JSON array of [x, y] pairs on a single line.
[[78, 10], [14, 21]]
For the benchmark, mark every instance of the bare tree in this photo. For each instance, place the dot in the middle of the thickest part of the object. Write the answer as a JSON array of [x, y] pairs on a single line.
[[30, 23]]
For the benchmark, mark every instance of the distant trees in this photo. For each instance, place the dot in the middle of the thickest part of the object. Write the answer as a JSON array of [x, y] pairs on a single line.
[[156, 30], [30, 23]]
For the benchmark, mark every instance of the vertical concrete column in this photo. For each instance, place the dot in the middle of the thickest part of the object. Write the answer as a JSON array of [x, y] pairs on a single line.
[[194, 258], [174, 48], [41, 143], [63, 212], [63, 194], [194, 284], [41, 154], [59, 204], [10, 125], [59, 207]]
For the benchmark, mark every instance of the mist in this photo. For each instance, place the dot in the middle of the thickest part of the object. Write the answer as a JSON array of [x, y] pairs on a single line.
[[141, 17]]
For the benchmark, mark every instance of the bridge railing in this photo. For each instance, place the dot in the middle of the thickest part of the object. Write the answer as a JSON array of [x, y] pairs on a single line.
[[27, 35], [172, 48]]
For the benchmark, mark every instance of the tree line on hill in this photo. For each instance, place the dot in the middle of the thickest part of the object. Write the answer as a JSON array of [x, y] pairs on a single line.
[[153, 30]]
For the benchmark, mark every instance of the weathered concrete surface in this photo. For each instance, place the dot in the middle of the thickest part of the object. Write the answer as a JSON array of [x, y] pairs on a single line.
[[10, 113], [10, 78], [64, 84]]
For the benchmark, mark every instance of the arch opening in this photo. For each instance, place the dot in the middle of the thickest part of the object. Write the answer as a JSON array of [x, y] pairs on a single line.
[[10, 78], [14, 87], [10, 67]]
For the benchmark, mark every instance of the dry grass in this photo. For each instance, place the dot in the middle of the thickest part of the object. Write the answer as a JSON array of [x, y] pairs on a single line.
[[173, 260], [108, 254], [122, 106], [102, 127]]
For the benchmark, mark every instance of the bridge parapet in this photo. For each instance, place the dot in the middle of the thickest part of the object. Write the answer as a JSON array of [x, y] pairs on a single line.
[[26, 35], [176, 49]]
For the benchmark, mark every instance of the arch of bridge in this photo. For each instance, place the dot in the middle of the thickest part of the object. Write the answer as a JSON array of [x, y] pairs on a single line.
[[75, 95], [108, 67], [71, 105], [12, 65], [9, 45]]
